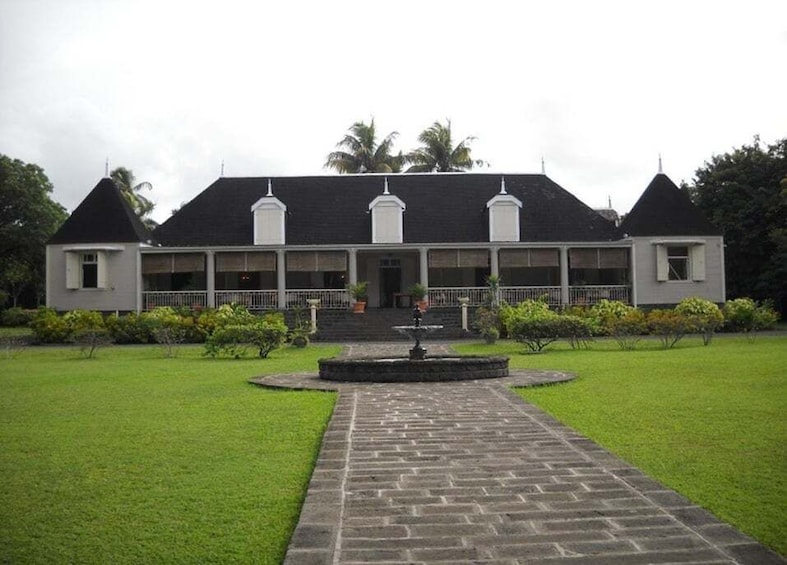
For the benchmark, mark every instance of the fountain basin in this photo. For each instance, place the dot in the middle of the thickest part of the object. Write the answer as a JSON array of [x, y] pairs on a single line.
[[436, 368]]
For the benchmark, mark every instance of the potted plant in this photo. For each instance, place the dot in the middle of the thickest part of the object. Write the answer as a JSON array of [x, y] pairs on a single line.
[[418, 294], [359, 292]]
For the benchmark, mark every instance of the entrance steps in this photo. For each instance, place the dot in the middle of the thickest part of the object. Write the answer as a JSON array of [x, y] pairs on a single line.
[[376, 324]]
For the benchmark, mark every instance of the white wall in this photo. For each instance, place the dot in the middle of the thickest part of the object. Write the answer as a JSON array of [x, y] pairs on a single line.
[[650, 291], [121, 287]]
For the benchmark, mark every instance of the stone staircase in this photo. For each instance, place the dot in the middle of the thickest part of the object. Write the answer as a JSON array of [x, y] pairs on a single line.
[[375, 324]]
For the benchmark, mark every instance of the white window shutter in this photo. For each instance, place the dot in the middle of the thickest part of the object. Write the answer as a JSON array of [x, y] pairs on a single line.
[[662, 266], [697, 255], [102, 269], [72, 270]]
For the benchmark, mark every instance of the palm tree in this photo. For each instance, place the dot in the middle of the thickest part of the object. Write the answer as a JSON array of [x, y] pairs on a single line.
[[131, 191], [360, 153], [438, 154]]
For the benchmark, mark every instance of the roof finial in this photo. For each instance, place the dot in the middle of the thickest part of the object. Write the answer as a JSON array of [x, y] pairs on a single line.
[[385, 190], [503, 185], [543, 167], [609, 200], [661, 170], [222, 168], [106, 168], [270, 188]]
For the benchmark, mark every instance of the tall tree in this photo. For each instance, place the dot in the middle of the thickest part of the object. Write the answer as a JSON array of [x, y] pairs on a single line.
[[359, 152], [744, 193], [132, 192], [28, 218], [439, 154]]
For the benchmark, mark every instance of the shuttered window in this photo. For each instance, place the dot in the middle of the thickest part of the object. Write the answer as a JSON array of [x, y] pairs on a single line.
[[173, 263], [602, 258], [456, 258], [513, 258], [311, 261], [245, 262]]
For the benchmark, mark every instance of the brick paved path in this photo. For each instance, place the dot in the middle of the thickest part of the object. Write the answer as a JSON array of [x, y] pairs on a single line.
[[469, 473]]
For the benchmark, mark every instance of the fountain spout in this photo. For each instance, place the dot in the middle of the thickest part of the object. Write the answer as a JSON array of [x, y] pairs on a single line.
[[417, 332]]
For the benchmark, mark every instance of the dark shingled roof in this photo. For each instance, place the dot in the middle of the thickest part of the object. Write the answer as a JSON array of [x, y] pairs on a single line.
[[104, 216], [663, 209], [443, 207]]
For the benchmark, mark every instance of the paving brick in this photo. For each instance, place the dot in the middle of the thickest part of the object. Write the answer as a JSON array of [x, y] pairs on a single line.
[[467, 472]]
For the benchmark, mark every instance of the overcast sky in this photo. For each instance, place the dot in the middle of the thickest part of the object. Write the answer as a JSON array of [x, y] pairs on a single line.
[[171, 89]]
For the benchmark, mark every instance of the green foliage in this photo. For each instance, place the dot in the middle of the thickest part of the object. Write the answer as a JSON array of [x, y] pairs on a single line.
[[132, 193], [48, 327], [702, 316], [627, 329], [439, 154], [359, 290], [130, 328], [578, 330], [359, 152], [28, 218], [605, 314], [532, 322], [234, 338], [669, 325], [16, 317], [746, 315], [487, 322], [417, 291], [744, 193]]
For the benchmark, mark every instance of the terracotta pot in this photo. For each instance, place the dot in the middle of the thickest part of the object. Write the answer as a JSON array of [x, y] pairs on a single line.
[[359, 307]]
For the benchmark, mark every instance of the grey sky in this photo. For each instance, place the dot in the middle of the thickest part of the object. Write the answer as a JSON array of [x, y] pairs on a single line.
[[170, 89]]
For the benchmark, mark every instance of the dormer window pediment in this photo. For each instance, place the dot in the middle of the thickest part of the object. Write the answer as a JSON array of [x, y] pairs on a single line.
[[269, 213], [504, 216], [387, 222]]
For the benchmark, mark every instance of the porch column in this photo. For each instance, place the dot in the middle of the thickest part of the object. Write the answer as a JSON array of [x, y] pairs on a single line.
[[564, 293], [281, 279], [423, 266], [494, 262], [352, 266], [138, 273], [210, 273]]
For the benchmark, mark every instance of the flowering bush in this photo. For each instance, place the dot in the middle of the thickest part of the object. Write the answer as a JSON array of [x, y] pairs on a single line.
[[669, 325], [702, 316], [746, 315]]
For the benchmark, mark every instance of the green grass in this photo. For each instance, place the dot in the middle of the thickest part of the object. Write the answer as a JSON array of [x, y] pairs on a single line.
[[133, 458], [709, 422]]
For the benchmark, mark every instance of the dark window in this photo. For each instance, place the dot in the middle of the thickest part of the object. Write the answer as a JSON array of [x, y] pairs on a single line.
[[678, 263], [89, 270]]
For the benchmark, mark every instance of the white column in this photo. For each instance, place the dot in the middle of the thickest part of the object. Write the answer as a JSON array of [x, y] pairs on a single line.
[[210, 273], [564, 293], [352, 266], [281, 279], [494, 263], [423, 266], [313, 304], [139, 287]]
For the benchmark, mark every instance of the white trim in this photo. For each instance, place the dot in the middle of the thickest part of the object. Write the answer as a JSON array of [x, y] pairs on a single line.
[[92, 247]]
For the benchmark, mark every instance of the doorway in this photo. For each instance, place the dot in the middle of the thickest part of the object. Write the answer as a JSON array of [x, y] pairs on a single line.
[[390, 281]]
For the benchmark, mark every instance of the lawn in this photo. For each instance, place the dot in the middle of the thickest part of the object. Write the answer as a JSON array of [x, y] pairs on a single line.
[[134, 458], [709, 422]]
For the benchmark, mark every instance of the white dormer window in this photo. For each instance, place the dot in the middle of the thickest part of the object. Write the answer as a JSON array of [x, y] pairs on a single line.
[[504, 215], [269, 213], [387, 222]]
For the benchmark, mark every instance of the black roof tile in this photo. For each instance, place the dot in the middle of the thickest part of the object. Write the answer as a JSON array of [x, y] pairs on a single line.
[[664, 210], [443, 207], [103, 216]]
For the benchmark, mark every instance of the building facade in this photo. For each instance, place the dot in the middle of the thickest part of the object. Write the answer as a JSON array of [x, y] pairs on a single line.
[[274, 243]]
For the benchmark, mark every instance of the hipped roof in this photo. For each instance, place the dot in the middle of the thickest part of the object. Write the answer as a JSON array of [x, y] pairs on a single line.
[[104, 216], [333, 210]]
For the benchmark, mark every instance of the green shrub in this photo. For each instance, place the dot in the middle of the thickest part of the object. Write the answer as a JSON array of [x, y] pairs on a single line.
[[746, 315], [605, 314], [87, 331], [627, 329], [532, 322], [232, 340], [130, 328], [16, 317], [48, 327], [578, 331], [669, 325], [702, 317], [486, 321], [169, 328]]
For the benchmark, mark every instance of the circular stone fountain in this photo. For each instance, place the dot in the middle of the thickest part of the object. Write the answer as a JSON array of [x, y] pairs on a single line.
[[415, 368]]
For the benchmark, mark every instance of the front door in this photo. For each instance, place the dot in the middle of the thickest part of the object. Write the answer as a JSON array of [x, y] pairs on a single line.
[[390, 283]]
